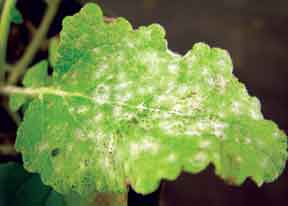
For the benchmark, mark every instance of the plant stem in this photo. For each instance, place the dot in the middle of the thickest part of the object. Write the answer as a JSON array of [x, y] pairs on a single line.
[[8, 149], [31, 50], [36, 92], [4, 31], [9, 90], [110, 199]]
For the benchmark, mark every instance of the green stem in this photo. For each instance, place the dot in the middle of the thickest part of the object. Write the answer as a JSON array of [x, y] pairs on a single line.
[[31, 50], [4, 31], [37, 92]]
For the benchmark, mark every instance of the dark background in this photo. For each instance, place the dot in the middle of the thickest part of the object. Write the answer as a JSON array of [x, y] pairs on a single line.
[[255, 32]]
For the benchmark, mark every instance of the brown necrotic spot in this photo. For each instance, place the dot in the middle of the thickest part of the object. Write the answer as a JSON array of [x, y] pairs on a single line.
[[55, 152]]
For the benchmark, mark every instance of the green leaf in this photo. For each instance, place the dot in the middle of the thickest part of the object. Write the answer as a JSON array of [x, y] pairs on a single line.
[[53, 46], [16, 16], [16, 101], [122, 109], [19, 188], [36, 76]]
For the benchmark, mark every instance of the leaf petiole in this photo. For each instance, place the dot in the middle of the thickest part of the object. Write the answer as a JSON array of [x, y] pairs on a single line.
[[4, 31]]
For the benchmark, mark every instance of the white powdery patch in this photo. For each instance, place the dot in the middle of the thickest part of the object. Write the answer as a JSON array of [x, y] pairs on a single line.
[[193, 103], [80, 135], [173, 68], [122, 86], [221, 63], [82, 109], [150, 89], [111, 145], [200, 157], [221, 82], [182, 90], [134, 149], [43, 146], [156, 113], [172, 158], [128, 116], [105, 163], [171, 127], [255, 103], [98, 117], [92, 136], [104, 66], [210, 81], [221, 114], [142, 91], [236, 107], [247, 140], [173, 54], [130, 44], [122, 77], [71, 109], [141, 107], [165, 99], [101, 99], [146, 145], [177, 108], [276, 135], [150, 145], [203, 144], [205, 71], [125, 97], [165, 115], [151, 59], [96, 50], [238, 159], [170, 87], [99, 135], [101, 94], [202, 125], [218, 128], [191, 59], [191, 131], [101, 70], [255, 115], [118, 111], [167, 127]]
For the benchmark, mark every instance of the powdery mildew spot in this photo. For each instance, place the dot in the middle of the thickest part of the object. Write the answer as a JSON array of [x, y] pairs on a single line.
[[146, 145], [204, 144], [200, 157]]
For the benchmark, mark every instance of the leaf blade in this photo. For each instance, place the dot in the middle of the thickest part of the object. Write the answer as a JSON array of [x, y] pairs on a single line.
[[122, 109]]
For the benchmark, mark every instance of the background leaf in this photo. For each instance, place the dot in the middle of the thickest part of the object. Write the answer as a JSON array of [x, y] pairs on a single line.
[[19, 188], [36, 76], [16, 16]]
